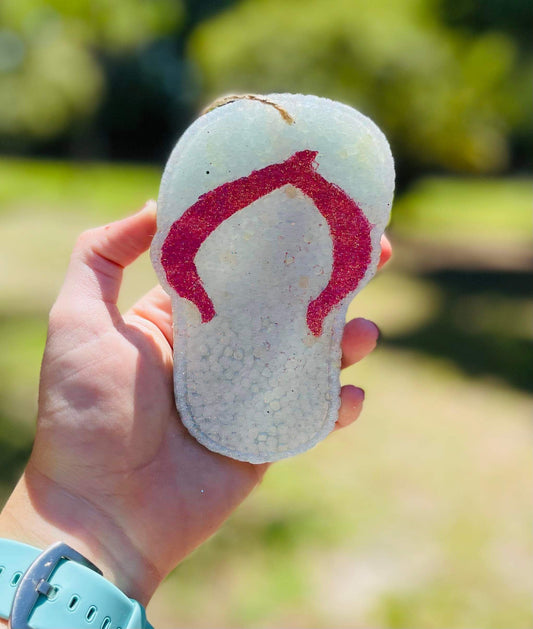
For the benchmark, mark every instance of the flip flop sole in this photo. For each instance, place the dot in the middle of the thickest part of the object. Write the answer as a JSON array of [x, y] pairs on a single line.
[[270, 214]]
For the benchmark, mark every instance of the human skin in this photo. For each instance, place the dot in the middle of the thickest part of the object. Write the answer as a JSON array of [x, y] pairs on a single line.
[[113, 472]]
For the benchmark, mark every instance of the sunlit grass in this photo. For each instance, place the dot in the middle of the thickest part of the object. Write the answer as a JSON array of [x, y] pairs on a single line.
[[463, 209], [418, 516], [104, 191]]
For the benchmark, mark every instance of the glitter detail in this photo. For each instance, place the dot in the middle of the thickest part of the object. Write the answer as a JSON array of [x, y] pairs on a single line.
[[349, 229]]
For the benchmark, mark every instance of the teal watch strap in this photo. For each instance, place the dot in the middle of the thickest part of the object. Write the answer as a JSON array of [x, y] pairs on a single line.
[[60, 589]]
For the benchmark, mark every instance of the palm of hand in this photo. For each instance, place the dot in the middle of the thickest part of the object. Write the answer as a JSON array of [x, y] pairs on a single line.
[[111, 456], [109, 432]]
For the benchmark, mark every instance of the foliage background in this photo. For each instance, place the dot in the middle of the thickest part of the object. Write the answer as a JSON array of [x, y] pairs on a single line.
[[419, 516]]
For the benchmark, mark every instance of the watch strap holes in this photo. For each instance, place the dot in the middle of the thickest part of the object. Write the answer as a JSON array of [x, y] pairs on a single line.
[[91, 613], [15, 578], [73, 603], [106, 622]]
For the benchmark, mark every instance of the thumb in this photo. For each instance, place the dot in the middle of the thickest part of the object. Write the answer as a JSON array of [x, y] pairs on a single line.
[[98, 260]]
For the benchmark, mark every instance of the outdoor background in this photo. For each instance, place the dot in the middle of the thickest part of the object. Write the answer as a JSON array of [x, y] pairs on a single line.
[[419, 516]]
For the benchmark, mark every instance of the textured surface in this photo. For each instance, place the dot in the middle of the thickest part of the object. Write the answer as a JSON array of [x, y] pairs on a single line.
[[256, 369], [351, 256]]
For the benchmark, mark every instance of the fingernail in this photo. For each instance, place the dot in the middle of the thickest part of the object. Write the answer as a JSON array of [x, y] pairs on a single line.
[[361, 392], [376, 327]]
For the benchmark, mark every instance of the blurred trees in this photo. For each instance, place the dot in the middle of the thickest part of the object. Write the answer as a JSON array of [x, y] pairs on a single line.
[[49, 63], [444, 96], [514, 18], [57, 59], [510, 16], [445, 79]]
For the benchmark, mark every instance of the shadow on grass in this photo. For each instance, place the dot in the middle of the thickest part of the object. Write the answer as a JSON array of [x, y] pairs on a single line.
[[478, 325]]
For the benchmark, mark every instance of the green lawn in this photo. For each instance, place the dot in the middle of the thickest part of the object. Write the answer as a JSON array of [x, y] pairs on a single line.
[[461, 209], [418, 517]]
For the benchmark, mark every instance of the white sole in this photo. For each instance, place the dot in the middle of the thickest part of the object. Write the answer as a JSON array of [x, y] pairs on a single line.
[[255, 378]]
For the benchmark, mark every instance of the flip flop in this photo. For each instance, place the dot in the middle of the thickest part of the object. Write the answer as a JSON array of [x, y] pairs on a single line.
[[270, 215]]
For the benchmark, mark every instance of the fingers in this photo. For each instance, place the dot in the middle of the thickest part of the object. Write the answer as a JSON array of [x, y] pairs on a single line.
[[95, 271], [386, 251], [156, 308], [352, 399], [359, 338]]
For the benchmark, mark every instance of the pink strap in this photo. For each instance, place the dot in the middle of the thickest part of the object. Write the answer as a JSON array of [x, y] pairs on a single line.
[[349, 228]]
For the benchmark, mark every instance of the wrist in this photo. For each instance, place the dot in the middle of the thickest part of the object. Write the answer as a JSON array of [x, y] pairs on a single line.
[[40, 512]]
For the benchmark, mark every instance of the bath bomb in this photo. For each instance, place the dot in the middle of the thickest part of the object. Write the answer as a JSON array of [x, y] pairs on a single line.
[[270, 215]]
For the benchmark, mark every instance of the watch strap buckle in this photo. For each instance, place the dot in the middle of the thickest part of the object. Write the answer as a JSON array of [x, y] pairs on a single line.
[[34, 582]]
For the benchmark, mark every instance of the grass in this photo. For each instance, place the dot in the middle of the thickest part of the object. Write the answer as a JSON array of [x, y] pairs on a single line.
[[420, 515], [90, 188], [462, 209]]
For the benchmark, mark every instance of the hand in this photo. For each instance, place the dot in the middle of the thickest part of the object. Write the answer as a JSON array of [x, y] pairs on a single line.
[[113, 471]]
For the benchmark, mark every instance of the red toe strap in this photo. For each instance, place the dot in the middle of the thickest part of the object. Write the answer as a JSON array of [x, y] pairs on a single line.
[[349, 228]]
